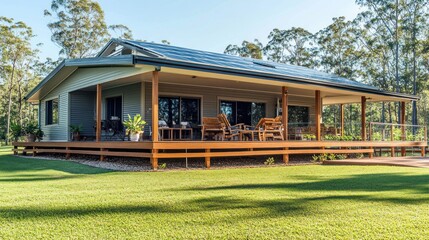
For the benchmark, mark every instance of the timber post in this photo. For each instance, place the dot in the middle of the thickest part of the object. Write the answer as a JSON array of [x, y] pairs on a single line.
[[318, 103], [98, 114], [403, 138], [207, 159], [155, 116]]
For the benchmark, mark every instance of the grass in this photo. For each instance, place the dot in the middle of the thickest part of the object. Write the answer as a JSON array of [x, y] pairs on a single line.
[[58, 200]]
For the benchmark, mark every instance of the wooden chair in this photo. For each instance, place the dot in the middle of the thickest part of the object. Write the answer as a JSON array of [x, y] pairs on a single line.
[[231, 131], [212, 127], [270, 128]]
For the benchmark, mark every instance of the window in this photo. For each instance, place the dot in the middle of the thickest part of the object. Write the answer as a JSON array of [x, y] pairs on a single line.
[[248, 113], [174, 110], [114, 108], [52, 112], [298, 116]]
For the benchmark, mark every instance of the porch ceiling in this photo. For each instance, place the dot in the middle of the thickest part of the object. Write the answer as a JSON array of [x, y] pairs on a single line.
[[203, 79]]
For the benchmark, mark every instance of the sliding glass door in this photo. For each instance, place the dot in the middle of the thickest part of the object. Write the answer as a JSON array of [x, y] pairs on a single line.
[[174, 110], [248, 113]]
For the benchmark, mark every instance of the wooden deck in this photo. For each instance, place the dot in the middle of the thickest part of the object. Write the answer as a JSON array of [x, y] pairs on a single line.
[[422, 162], [209, 149]]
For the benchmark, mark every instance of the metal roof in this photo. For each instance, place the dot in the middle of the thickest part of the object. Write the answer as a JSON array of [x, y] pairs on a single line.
[[230, 61], [168, 55]]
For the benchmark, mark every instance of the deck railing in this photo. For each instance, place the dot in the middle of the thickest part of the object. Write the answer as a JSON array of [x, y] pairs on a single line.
[[396, 132]]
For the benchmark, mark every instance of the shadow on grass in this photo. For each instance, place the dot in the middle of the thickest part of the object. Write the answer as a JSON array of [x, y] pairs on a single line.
[[24, 213], [15, 169], [361, 182]]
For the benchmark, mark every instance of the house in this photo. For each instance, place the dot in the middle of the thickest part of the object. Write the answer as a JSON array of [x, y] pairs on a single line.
[[176, 85]]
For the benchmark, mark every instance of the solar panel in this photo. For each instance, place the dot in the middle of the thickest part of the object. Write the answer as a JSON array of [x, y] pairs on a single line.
[[248, 64]]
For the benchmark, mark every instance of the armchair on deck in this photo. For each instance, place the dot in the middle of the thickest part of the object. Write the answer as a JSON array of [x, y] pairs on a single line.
[[231, 131], [270, 128], [212, 127]]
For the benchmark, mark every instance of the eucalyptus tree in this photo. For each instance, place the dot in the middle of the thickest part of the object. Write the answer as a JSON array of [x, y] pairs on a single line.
[[388, 14], [16, 59], [415, 21], [294, 46], [78, 27], [340, 53], [121, 31], [247, 49]]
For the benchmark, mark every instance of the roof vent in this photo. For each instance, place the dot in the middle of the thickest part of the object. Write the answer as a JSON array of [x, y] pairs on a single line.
[[264, 64]]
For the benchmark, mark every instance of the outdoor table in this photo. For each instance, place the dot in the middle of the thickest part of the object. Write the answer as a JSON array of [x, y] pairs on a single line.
[[171, 133]]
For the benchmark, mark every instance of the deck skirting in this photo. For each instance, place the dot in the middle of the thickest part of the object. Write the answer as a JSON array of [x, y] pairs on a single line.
[[208, 149]]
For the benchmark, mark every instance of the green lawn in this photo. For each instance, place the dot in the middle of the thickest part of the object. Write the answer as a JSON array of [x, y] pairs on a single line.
[[57, 199]]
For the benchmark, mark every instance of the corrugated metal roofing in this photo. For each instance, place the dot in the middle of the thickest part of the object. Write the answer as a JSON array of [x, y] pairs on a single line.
[[248, 64]]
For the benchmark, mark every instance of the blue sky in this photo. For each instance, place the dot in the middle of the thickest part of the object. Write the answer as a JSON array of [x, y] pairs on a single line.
[[206, 25]]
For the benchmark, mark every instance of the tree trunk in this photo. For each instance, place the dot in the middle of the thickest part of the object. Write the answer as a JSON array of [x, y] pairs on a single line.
[[9, 107]]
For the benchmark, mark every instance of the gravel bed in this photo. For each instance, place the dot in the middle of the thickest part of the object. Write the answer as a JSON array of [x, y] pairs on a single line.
[[135, 165]]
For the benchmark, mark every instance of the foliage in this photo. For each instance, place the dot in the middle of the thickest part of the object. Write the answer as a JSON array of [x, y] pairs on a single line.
[[30, 128], [39, 134], [321, 157], [294, 46], [162, 166], [17, 59], [78, 27], [341, 156], [134, 124], [269, 161], [76, 128], [16, 131], [332, 156], [331, 137], [309, 136], [247, 49]]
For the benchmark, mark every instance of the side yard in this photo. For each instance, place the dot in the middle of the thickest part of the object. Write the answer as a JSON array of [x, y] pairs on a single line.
[[59, 199]]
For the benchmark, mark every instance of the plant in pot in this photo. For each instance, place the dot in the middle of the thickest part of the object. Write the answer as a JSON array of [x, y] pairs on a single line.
[[16, 131], [134, 126], [39, 134], [30, 131], [76, 130]]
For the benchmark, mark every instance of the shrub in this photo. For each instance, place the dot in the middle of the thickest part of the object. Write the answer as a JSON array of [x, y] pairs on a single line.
[[332, 156], [163, 166], [341, 156], [269, 161]]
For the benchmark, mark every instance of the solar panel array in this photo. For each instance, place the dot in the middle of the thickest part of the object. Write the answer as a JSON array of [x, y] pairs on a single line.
[[247, 64]]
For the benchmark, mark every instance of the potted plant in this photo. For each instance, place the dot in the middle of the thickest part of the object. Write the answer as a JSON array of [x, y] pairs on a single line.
[[76, 130], [30, 131], [39, 134], [134, 126], [16, 131]]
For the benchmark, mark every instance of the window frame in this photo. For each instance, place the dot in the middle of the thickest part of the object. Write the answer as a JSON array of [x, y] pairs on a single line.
[[52, 122], [180, 96], [245, 100]]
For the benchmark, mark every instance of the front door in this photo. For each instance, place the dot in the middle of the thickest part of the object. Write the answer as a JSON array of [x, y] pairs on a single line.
[[114, 108]]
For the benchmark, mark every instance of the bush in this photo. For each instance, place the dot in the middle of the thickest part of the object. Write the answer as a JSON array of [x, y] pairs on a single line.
[[269, 161], [163, 166]]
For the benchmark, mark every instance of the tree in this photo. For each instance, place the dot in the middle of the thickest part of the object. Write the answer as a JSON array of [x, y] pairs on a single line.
[[17, 58], [247, 49], [122, 31], [78, 27], [338, 50], [294, 46]]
